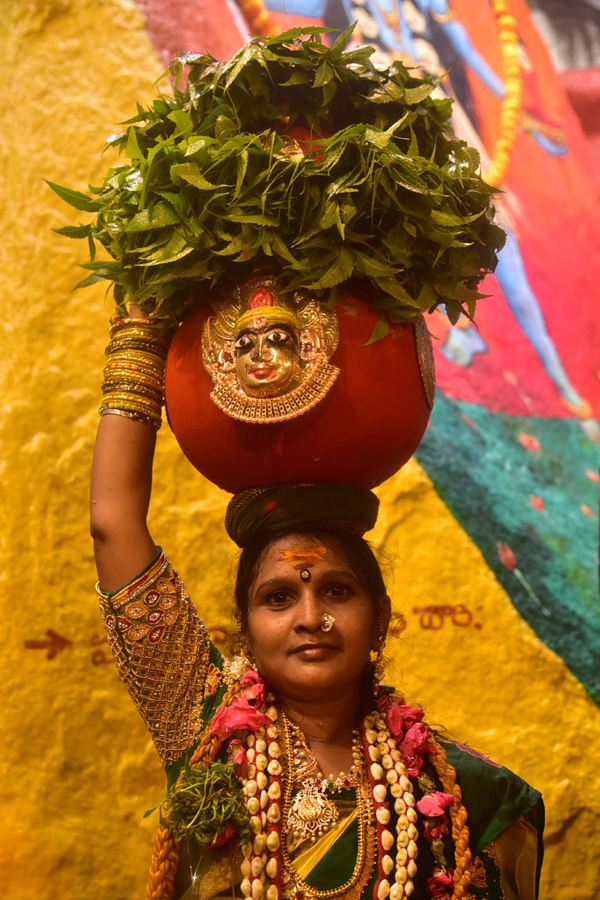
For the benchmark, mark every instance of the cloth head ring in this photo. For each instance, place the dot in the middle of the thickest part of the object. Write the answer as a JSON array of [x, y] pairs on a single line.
[[271, 510]]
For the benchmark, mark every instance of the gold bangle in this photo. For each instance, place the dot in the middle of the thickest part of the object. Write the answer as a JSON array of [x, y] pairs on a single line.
[[138, 345], [116, 393], [129, 400], [136, 354], [133, 378], [136, 416], [125, 376], [124, 406], [135, 363], [157, 323], [125, 363]]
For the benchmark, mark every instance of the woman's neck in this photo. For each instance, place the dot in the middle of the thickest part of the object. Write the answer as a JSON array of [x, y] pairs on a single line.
[[327, 726]]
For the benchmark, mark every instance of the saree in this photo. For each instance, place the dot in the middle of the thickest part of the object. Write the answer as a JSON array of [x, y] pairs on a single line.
[[177, 678]]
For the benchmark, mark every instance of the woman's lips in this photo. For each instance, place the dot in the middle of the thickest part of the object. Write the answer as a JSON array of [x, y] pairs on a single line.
[[314, 651]]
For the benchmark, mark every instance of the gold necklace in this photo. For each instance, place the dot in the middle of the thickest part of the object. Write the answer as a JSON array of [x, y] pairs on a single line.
[[311, 813]]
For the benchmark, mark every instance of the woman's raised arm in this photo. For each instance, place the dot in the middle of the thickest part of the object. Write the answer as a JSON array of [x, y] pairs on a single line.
[[124, 451], [119, 499], [161, 647]]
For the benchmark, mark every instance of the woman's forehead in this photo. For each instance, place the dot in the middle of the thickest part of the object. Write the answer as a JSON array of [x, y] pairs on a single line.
[[303, 549]]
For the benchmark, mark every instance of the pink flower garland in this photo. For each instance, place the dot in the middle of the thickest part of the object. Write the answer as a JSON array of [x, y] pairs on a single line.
[[415, 742], [243, 713]]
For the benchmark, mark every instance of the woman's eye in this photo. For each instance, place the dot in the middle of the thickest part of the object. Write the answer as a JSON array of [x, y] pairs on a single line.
[[242, 342], [278, 337], [277, 598], [339, 590]]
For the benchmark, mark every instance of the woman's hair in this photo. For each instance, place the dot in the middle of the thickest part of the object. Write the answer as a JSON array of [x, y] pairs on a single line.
[[356, 550]]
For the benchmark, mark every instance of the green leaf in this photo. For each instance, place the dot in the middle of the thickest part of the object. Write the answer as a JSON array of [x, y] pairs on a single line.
[[200, 144], [339, 270], [74, 198], [156, 217], [391, 198], [342, 39], [133, 148], [150, 811], [372, 266], [380, 139], [444, 218], [182, 120], [324, 74], [297, 77], [176, 249], [382, 327], [242, 165], [251, 220], [191, 173], [392, 286], [88, 280], [74, 231], [416, 94]]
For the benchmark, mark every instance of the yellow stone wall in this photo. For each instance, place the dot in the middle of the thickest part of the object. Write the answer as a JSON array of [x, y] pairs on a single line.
[[78, 769]]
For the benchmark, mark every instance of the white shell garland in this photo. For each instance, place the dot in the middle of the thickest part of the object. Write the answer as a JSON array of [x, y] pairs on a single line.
[[390, 777], [261, 867]]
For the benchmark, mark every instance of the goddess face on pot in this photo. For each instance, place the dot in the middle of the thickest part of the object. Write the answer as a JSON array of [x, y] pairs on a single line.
[[268, 353]]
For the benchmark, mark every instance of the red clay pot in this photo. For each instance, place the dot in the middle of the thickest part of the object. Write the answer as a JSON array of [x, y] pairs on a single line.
[[365, 429]]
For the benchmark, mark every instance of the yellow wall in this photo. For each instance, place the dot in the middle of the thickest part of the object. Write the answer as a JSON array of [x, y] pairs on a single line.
[[78, 769]]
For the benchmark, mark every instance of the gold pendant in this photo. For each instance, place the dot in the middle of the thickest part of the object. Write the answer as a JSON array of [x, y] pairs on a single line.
[[312, 813]]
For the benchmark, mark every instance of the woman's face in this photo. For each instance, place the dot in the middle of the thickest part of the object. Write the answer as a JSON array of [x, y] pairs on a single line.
[[298, 581]]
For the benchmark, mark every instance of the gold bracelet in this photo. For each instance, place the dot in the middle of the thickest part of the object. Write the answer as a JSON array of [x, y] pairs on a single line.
[[135, 416], [127, 376], [133, 384], [158, 323], [132, 401], [125, 406], [138, 345]]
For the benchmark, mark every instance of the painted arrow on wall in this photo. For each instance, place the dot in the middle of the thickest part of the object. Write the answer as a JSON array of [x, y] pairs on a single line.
[[54, 644]]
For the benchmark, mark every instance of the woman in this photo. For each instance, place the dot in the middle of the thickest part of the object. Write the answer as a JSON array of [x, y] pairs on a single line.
[[346, 792]]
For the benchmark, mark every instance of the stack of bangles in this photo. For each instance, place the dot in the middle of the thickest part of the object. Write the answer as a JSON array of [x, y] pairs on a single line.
[[134, 374]]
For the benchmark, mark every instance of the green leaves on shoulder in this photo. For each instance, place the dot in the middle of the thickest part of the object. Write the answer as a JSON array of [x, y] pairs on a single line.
[[205, 802]]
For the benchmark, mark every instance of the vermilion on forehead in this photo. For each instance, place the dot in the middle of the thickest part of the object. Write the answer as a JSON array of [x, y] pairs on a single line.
[[303, 554]]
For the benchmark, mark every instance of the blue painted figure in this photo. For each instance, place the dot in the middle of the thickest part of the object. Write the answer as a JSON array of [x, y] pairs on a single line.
[[426, 32]]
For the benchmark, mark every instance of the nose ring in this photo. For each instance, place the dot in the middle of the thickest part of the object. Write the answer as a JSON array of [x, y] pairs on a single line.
[[327, 622]]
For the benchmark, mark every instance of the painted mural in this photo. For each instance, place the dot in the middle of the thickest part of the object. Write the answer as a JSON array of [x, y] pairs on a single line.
[[514, 443]]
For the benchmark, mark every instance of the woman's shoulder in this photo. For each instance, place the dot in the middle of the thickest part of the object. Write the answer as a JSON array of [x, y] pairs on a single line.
[[494, 796]]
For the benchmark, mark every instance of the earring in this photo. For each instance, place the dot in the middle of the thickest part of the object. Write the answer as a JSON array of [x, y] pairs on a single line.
[[379, 664], [243, 654]]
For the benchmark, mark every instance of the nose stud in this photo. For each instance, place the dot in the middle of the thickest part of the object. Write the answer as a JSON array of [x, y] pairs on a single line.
[[327, 623], [305, 575]]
